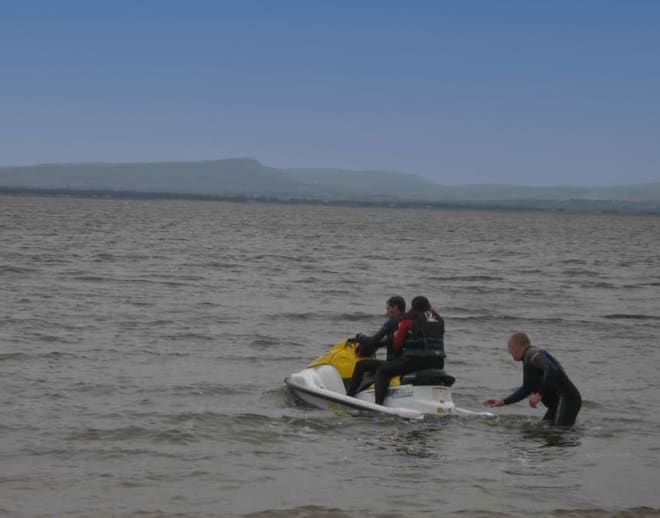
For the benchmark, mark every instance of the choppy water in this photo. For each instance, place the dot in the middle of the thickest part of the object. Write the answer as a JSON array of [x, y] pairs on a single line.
[[143, 345]]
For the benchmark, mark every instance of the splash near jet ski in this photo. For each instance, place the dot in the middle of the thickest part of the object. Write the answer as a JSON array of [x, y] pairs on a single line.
[[324, 381]]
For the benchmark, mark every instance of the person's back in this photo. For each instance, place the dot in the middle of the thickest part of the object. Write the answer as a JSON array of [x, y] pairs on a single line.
[[422, 334], [544, 375]]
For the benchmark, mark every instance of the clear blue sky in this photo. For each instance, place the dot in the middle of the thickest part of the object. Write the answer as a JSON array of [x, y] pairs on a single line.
[[463, 91]]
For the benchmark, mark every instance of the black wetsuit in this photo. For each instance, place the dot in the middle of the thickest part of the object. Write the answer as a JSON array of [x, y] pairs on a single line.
[[368, 347], [542, 373]]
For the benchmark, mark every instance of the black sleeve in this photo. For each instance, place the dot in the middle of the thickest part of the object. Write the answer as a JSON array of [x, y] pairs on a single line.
[[378, 339]]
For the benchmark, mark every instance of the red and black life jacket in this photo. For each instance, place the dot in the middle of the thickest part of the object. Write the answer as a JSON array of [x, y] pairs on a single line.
[[426, 336]]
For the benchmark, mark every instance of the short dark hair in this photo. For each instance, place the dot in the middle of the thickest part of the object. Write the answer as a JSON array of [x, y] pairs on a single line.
[[420, 303], [397, 301]]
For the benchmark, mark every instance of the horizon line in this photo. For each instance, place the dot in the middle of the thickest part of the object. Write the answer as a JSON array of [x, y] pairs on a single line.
[[330, 169]]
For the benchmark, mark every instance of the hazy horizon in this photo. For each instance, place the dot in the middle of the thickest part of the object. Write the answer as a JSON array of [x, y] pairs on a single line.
[[320, 170], [518, 93]]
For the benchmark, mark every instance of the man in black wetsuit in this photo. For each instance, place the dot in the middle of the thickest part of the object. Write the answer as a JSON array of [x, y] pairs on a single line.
[[544, 380], [395, 307]]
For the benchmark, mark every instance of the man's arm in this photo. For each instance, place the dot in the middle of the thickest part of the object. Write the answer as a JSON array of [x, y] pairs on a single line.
[[401, 333], [375, 340], [518, 395]]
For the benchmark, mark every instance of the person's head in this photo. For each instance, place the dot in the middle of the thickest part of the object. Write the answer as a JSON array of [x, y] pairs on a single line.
[[420, 303], [395, 306], [518, 344]]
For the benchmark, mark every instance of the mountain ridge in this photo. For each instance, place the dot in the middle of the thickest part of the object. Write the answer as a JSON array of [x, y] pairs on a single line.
[[248, 177]]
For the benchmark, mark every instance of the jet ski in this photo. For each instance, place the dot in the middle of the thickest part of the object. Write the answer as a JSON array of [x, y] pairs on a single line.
[[324, 381]]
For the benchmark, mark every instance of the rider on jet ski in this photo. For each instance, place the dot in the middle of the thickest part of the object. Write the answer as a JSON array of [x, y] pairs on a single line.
[[418, 345], [395, 308]]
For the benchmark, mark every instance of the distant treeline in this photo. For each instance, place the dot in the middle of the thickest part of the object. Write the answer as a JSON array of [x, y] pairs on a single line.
[[569, 206], [247, 179]]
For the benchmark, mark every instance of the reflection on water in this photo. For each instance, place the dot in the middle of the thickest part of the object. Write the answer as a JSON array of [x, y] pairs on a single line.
[[547, 436], [422, 443]]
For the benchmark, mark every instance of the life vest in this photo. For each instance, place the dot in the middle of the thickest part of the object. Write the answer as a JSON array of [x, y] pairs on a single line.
[[426, 336]]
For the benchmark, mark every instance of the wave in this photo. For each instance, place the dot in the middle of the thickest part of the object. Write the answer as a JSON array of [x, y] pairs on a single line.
[[353, 317], [504, 289], [327, 317], [632, 512], [602, 285], [95, 388], [192, 336], [315, 511], [198, 389], [51, 355], [251, 358], [141, 280], [9, 268], [631, 316], [513, 318], [91, 278], [578, 271], [13, 356], [573, 261], [188, 427], [281, 258], [265, 341], [44, 337], [130, 433], [318, 511], [152, 352], [219, 264], [104, 257], [468, 278], [298, 316]]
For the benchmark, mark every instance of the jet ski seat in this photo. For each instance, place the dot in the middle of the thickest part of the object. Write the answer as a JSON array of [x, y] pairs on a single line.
[[428, 377]]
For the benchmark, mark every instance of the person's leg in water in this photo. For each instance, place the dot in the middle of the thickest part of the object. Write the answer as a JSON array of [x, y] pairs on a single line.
[[568, 408], [551, 414], [361, 368]]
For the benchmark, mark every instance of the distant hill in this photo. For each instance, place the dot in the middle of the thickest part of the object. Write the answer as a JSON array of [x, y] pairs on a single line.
[[237, 176], [494, 192], [247, 177], [366, 184], [405, 186]]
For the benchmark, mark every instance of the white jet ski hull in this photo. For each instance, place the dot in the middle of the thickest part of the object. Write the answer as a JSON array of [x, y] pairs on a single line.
[[322, 386]]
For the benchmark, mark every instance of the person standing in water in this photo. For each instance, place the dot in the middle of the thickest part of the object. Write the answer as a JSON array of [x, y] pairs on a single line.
[[544, 380]]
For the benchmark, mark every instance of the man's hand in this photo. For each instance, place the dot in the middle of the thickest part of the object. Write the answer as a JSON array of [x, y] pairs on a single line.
[[534, 399], [365, 350], [493, 402]]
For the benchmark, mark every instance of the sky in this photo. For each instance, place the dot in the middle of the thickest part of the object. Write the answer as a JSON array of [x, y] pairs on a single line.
[[461, 92]]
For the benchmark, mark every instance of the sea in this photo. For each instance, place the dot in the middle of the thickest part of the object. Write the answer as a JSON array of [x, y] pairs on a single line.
[[144, 345]]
